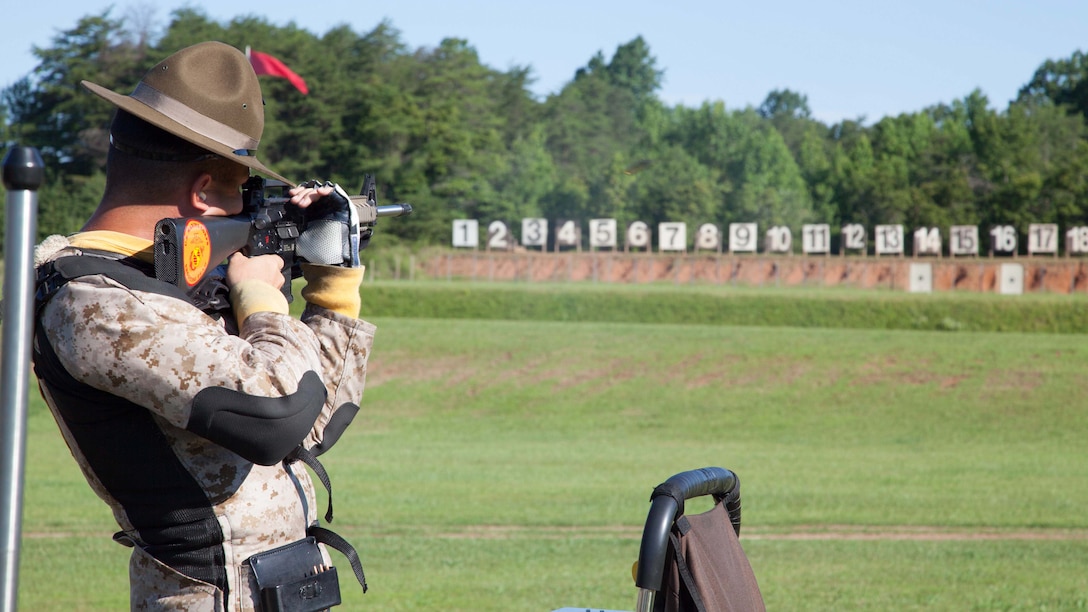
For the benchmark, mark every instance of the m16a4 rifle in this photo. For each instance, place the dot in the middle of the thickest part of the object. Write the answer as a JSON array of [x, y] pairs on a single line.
[[189, 252]]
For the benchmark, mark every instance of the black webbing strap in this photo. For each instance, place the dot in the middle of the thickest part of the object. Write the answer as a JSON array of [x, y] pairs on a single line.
[[325, 536], [683, 526], [673, 490], [330, 538], [128, 271], [310, 459]]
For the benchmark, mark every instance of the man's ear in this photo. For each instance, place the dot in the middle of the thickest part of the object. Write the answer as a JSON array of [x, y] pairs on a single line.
[[198, 197]]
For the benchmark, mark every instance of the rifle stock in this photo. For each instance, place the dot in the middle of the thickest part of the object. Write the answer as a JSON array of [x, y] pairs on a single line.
[[185, 248], [188, 250]]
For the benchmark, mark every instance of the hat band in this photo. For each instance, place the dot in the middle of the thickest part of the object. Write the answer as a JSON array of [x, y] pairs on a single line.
[[153, 156], [201, 124]]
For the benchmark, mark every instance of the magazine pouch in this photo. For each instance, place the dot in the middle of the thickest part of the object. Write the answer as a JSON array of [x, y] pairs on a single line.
[[295, 578]]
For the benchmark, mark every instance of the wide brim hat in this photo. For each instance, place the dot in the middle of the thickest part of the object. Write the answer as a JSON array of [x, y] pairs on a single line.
[[206, 94]]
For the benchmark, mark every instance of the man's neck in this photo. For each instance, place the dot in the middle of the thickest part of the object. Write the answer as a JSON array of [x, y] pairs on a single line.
[[136, 221]]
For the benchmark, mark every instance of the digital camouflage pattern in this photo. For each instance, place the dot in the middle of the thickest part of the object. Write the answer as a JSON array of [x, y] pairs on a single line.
[[159, 352]]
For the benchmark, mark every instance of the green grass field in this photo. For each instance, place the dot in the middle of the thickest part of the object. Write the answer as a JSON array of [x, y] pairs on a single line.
[[507, 465]]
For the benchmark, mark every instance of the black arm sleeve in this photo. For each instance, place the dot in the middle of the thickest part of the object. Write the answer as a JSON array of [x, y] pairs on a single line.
[[336, 426], [260, 429]]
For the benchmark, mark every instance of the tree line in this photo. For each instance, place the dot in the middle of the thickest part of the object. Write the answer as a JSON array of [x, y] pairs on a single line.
[[459, 139]]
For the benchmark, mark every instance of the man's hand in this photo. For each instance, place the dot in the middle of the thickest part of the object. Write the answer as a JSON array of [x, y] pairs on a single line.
[[332, 232], [267, 268], [309, 192]]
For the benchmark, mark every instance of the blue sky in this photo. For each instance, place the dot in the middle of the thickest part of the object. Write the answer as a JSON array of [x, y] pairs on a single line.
[[852, 58]]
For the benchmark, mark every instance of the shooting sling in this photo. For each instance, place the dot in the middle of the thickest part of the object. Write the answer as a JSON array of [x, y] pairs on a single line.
[[182, 510]]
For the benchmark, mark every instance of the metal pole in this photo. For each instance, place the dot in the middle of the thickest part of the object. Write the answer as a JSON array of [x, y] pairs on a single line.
[[23, 174]]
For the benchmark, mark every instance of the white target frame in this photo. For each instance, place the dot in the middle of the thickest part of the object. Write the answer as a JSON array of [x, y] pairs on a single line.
[[816, 239], [466, 233], [672, 236], [743, 237], [708, 238], [779, 240], [602, 234], [1043, 239], [1003, 240], [888, 239], [854, 238], [637, 236], [963, 241], [534, 232]]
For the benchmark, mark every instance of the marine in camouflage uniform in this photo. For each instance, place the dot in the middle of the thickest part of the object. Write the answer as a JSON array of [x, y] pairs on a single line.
[[187, 423], [175, 494]]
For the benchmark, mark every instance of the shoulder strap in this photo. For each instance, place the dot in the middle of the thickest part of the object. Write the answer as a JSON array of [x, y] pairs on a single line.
[[129, 272], [209, 296], [687, 585]]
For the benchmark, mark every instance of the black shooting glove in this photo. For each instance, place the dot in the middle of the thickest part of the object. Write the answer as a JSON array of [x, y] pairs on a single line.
[[331, 235]]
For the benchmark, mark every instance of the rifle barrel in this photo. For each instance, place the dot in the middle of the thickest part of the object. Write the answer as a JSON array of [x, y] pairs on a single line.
[[394, 210]]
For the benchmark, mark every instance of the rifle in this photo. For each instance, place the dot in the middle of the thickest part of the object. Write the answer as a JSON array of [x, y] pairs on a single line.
[[189, 251]]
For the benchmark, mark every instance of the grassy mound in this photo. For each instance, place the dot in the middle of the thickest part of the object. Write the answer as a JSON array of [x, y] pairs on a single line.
[[669, 304]]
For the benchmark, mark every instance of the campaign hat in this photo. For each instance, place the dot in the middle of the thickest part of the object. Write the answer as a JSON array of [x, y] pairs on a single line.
[[207, 95]]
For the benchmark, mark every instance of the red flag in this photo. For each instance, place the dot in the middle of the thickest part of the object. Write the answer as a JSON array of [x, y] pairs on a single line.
[[264, 63]]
